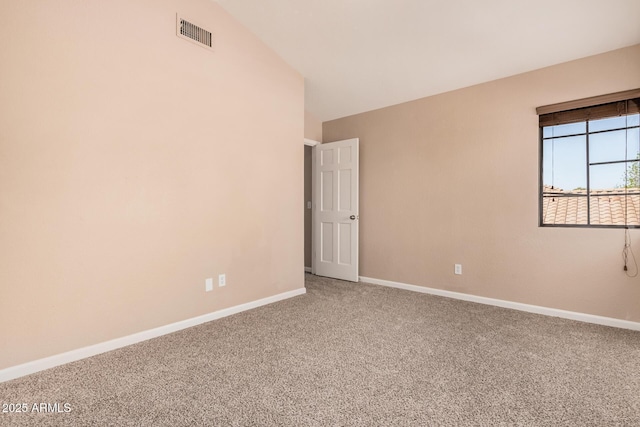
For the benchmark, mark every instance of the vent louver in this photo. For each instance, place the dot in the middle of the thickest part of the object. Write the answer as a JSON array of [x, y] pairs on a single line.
[[194, 33]]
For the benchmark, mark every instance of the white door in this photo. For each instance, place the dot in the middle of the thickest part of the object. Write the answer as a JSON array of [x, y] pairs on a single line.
[[335, 210]]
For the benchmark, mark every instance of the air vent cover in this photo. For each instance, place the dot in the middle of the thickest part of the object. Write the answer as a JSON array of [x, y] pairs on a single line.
[[189, 31]]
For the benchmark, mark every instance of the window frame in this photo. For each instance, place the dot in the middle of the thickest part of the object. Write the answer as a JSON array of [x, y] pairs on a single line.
[[578, 111]]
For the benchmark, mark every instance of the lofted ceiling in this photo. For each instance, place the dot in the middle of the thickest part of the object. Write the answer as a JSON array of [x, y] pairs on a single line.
[[360, 55]]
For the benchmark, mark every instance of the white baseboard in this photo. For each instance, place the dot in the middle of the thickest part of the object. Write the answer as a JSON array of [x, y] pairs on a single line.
[[307, 269], [582, 317], [81, 353]]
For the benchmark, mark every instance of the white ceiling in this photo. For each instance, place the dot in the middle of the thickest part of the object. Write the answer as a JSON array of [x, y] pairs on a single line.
[[359, 55]]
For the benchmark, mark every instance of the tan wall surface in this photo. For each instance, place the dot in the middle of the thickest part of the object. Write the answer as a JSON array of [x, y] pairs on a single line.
[[312, 127], [453, 178], [135, 164]]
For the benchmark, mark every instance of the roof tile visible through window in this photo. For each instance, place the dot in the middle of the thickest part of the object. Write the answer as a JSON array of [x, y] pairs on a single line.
[[606, 209]]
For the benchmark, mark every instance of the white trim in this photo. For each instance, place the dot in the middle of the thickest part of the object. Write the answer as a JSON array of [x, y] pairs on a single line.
[[554, 312], [81, 353], [307, 269], [310, 142]]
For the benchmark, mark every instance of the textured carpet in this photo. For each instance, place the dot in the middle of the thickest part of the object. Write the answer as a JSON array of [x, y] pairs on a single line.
[[352, 354]]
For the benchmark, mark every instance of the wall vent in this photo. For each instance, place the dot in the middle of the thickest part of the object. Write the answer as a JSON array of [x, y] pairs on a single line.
[[187, 30]]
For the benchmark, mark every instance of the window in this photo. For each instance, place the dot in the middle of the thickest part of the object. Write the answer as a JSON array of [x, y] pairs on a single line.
[[590, 162]]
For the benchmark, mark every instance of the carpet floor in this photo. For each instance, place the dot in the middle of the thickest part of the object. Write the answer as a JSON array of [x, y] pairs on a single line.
[[348, 354]]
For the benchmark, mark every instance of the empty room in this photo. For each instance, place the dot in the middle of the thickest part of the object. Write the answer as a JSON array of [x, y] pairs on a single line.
[[301, 213]]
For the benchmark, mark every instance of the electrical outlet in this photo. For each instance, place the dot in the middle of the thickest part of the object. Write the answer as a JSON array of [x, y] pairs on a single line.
[[208, 285], [457, 268], [308, 205], [222, 280]]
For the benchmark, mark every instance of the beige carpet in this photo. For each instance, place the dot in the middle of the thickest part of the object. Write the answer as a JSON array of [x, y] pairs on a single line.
[[353, 354]]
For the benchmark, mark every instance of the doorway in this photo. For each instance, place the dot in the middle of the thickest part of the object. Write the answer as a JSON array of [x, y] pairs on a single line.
[[308, 197], [335, 214]]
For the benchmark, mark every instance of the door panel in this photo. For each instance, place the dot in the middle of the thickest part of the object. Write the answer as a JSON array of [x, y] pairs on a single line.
[[326, 240], [335, 214], [327, 191]]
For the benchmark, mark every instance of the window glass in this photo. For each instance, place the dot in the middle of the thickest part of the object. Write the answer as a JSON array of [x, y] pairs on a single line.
[[608, 146], [590, 170], [633, 143], [607, 177], [607, 124], [565, 163], [563, 130], [607, 210]]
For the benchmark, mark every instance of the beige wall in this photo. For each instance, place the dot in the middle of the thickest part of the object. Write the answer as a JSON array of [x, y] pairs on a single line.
[[453, 178], [135, 164], [312, 127]]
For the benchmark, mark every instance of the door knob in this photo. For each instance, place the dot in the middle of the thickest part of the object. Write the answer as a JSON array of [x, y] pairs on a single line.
[[352, 217]]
